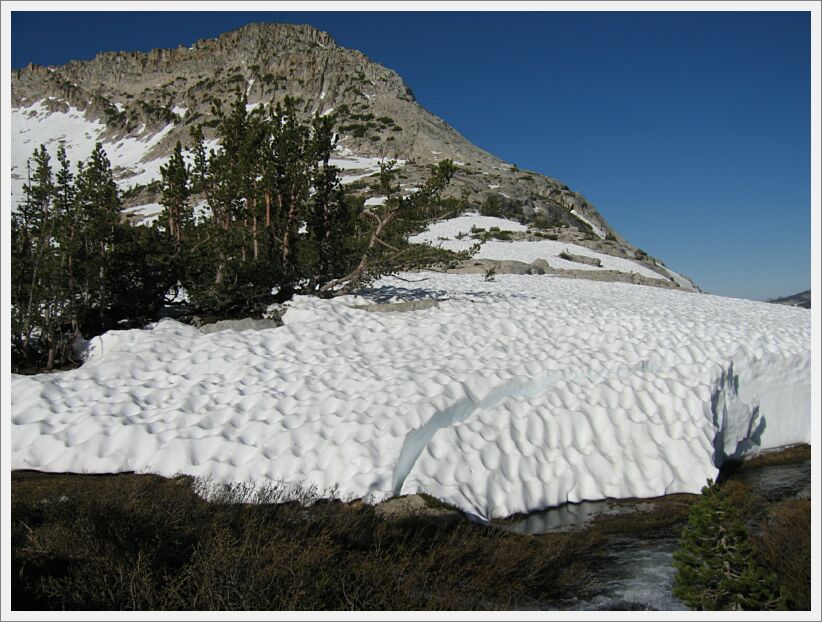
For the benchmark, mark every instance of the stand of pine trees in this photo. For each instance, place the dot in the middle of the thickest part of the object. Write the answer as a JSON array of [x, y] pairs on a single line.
[[77, 266], [277, 222]]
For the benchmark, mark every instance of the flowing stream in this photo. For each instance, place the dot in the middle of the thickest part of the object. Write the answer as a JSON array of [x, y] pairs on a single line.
[[636, 571]]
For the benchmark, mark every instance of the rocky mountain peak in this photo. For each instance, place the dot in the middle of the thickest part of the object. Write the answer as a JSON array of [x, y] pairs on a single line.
[[156, 98]]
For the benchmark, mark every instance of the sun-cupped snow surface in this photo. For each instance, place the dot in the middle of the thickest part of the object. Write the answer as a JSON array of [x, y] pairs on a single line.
[[509, 396], [454, 234]]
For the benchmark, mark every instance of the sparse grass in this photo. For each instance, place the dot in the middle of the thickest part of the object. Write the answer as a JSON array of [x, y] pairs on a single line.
[[668, 513], [785, 455], [123, 542]]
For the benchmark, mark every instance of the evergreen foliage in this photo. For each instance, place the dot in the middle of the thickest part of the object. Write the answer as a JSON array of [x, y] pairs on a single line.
[[281, 221], [77, 267], [716, 561], [500, 206], [277, 221]]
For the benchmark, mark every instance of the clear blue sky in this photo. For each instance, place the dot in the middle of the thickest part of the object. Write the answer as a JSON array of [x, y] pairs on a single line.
[[690, 132]]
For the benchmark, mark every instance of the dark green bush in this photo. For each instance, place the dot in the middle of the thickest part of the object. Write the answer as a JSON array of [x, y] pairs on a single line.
[[716, 563]]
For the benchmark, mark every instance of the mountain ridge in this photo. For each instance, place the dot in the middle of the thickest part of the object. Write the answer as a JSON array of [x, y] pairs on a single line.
[[157, 97]]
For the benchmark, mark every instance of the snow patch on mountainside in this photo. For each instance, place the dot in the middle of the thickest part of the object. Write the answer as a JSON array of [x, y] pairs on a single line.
[[356, 167], [35, 125], [454, 229], [598, 231], [454, 234], [509, 396]]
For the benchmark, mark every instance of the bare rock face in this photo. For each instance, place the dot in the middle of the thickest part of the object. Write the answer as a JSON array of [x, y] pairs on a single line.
[[591, 261], [137, 94]]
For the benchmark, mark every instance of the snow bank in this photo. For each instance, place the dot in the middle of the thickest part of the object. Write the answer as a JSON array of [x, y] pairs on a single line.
[[510, 396]]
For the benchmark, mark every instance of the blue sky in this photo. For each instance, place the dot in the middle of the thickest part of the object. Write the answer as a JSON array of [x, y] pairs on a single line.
[[690, 132]]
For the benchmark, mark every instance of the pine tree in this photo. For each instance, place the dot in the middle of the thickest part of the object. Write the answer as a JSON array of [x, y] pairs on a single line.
[[282, 222], [716, 560], [38, 296], [229, 264], [287, 188], [98, 214], [385, 248], [65, 203], [332, 217], [177, 215]]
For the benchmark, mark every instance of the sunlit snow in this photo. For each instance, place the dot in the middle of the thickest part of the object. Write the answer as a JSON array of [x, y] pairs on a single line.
[[454, 234], [510, 396]]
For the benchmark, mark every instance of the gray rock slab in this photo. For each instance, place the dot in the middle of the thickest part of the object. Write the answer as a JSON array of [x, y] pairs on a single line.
[[240, 325], [399, 307]]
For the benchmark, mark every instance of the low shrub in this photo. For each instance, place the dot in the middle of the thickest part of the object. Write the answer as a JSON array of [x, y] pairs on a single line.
[[784, 546], [140, 542], [716, 563]]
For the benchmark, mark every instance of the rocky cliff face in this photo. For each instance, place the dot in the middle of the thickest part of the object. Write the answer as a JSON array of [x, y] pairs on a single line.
[[156, 98]]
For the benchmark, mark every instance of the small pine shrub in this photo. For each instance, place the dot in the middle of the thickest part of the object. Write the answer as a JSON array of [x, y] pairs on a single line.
[[716, 563]]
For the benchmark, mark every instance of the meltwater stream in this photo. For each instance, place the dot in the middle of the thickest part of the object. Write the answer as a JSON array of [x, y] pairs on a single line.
[[636, 572]]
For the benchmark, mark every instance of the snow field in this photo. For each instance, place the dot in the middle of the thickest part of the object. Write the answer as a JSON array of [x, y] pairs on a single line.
[[509, 396]]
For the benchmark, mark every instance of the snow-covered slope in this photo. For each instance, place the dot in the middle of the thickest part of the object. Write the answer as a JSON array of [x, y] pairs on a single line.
[[509, 396], [454, 234], [36, 124]]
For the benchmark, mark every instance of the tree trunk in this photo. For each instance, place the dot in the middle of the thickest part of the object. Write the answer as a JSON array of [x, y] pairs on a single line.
[[52, 349], [349, 280], [254, 234]]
